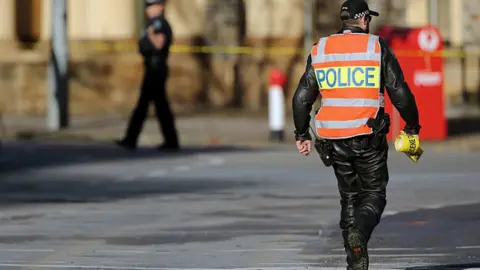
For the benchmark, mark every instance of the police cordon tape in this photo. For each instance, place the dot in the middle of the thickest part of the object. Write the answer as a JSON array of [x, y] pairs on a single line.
[[130, 46]]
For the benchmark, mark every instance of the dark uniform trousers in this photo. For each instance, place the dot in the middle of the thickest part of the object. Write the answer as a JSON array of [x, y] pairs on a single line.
[[153, 90], [362, 176]]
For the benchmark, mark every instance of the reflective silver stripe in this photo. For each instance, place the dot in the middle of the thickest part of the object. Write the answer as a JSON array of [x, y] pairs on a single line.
[[321, 46], [346, 57], [370, 54], [372, 41], [341, 124], [347, 102], [320, 55]]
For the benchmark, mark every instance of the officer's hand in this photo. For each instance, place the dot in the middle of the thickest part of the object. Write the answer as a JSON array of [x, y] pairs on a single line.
[[304, 147], [157, 39]]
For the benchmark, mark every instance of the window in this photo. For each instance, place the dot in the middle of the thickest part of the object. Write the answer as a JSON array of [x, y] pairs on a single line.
[[27, 21]]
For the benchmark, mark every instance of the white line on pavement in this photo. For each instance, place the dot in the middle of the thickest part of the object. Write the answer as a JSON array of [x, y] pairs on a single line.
[[217, 161], [157, 173], [389, 213], [211, 160], [133, 251], [261, 250], [413, 255], [182, 168], [214, 251], [27, 250], [72, 266], [468, 247], [137, 251], [389, 249], [205, 161]]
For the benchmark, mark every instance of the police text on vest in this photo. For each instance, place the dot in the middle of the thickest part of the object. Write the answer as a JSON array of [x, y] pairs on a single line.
[[348, 77]]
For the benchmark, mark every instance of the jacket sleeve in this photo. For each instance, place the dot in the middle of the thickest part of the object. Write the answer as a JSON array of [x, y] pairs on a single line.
[[398, 91], [303, 100]]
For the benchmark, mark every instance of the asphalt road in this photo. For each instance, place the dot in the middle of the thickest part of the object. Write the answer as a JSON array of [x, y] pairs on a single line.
[[93, 206]]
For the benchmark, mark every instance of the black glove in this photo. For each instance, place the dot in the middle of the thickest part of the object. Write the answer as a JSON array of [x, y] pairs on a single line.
[[303, 136]]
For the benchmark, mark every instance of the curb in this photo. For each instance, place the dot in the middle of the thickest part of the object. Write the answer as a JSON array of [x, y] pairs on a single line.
[[469, 143], [31, 135]]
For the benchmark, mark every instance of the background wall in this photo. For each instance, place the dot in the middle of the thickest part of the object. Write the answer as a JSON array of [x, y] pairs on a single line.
[[110, 73]]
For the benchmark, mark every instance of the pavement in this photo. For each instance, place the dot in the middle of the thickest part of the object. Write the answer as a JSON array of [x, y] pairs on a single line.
[[206, 129], [89, 205]]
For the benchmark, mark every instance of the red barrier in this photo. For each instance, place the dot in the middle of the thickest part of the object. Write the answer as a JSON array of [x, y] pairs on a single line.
[[418, 51]]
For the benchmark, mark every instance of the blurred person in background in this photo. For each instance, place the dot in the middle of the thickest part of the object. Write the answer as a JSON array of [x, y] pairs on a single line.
[[350, 70], [154, 46]]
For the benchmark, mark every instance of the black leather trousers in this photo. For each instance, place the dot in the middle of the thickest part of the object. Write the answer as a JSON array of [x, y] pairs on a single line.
[[362, 176]]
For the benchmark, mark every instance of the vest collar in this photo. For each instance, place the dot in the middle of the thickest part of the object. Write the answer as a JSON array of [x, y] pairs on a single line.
[[353, 29]]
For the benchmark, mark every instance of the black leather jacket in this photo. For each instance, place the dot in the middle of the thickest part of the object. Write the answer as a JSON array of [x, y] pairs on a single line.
[[392, 79], [156, 59]]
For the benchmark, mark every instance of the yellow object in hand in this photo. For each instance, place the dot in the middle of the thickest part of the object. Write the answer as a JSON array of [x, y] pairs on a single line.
[[410, 145]]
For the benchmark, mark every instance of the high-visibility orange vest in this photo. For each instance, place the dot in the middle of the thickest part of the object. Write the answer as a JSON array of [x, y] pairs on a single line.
[[347, 67]]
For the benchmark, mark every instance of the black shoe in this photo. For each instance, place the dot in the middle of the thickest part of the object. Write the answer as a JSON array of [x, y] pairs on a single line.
[[126, 145], [169, 147]]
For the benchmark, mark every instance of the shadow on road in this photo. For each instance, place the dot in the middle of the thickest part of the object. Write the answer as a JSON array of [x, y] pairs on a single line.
[[453, 231], [64, 189], [448, 228], [31, 155], [21, 182]]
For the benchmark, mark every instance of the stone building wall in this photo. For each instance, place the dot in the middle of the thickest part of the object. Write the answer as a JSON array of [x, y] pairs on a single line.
[[107, 81]]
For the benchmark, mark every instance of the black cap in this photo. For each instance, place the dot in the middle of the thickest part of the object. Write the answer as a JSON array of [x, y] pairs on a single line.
[[355, 9], [153, 2]]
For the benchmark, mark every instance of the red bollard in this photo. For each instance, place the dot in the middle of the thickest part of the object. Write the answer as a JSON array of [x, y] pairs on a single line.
[[276, 105]]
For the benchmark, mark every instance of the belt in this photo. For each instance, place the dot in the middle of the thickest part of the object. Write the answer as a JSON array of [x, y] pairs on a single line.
[[359, 142]]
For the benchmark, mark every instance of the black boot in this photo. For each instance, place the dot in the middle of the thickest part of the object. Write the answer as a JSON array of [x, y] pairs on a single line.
[[169, 147], [126, 144], [356, 249]]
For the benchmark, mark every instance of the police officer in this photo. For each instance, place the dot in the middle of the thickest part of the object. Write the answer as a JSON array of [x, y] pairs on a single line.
[[154, 46], [349, 71]]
